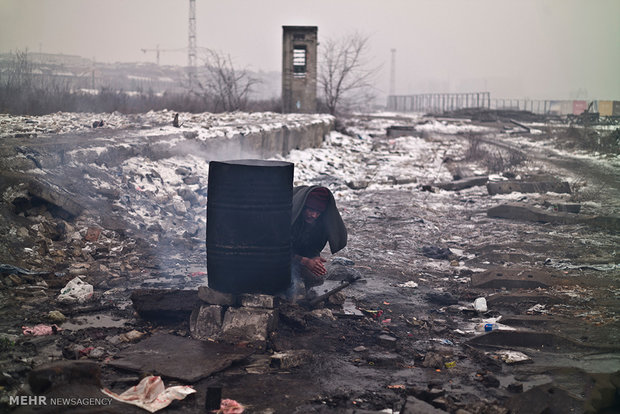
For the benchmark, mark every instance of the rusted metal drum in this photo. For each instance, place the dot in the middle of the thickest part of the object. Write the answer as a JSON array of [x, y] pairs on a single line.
[[249, 226]]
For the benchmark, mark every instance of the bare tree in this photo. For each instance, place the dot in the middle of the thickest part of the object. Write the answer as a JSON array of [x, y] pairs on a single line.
[[222, 85], [345, 73]]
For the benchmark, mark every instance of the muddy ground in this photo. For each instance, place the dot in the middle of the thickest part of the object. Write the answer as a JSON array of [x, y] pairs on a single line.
[[407, 333]]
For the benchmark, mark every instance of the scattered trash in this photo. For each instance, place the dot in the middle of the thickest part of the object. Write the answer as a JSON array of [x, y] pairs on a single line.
[[410, 284], [131, 336], [443, 341], [86, 351], [450, 364], [396, 387], [538, 308], [230, 407], [151, 394], [480, 305], [492, 324], [40, 330], [76, 291], [92, 234], [512, 357]]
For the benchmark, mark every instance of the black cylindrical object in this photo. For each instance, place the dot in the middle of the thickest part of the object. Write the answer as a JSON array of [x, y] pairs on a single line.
[[249, 226]]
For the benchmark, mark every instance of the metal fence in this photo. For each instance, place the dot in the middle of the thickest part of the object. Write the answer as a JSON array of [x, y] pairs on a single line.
[[443, 102], [438, 102]]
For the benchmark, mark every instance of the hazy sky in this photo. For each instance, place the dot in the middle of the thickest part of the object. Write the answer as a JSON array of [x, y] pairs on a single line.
[[514, 48]]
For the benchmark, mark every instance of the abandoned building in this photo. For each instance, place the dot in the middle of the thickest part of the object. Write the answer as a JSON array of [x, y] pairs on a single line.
[[299, 69]]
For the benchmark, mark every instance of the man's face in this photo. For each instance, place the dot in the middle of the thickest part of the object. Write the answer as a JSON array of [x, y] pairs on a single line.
[[310, 215]]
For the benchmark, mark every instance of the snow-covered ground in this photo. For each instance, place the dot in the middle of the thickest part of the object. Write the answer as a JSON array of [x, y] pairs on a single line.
[[200, 126]]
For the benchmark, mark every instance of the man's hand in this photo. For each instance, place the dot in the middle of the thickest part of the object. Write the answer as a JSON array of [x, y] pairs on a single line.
[[315, 265]]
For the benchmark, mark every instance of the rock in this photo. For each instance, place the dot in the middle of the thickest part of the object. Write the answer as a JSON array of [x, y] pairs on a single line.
[[183, 171], [415, 406], [179, 205], [131, 336], [57, 375], [206, 322], [257, 301], [97, 353], [433, 360], [357, 185], [387, 341], [248, 325], [191, 180], [515, 387], [290, 359], [215, 297], [56, 316]]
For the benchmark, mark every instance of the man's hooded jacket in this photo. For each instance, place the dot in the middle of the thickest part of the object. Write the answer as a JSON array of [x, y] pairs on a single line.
[[333, 230]]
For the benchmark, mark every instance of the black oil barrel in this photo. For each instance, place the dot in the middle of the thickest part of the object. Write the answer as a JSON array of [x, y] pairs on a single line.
[[249, 226]]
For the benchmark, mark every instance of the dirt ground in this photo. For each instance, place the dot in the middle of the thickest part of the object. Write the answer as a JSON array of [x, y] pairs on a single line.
[[404, 335]]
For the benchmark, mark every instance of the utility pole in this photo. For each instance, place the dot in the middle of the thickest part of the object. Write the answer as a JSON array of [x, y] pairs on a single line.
[[191, 47], [393, 73]]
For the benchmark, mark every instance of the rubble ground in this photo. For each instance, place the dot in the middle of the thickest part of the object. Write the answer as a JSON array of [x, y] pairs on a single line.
[[404, 338]]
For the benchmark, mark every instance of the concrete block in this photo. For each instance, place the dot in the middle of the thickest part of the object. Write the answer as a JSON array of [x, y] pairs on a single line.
[[517, 211], [206, 322], [563, 207], [215, 297], [510, 186], [248, 325], [257, 301], [387, 341]]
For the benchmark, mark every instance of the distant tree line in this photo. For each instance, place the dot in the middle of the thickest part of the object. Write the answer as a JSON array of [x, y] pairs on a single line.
[[24, 92], [345, 83]]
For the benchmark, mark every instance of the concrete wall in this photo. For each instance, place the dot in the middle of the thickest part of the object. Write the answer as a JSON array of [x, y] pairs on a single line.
[[70, 150]]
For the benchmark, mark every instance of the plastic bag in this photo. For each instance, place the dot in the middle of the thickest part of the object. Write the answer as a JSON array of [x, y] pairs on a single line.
[[76, 291], [151, 394]]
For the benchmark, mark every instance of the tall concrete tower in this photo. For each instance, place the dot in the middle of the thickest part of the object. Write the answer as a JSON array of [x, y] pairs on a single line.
[[299, 68]]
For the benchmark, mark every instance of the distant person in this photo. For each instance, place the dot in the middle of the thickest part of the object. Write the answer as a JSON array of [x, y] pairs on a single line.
[[315, 221], [98, 124], [175, 121]]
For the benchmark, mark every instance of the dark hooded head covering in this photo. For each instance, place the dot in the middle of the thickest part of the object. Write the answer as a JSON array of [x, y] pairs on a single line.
[[334, 226], [318, 199]]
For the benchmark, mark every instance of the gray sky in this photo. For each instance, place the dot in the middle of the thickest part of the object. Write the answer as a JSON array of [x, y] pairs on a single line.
[[556, 49]]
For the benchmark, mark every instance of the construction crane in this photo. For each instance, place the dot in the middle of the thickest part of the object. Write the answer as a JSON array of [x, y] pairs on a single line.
[[158, 52], [191, 44]]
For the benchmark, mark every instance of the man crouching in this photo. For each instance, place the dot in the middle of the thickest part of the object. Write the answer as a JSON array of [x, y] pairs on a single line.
[[315, 221]]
